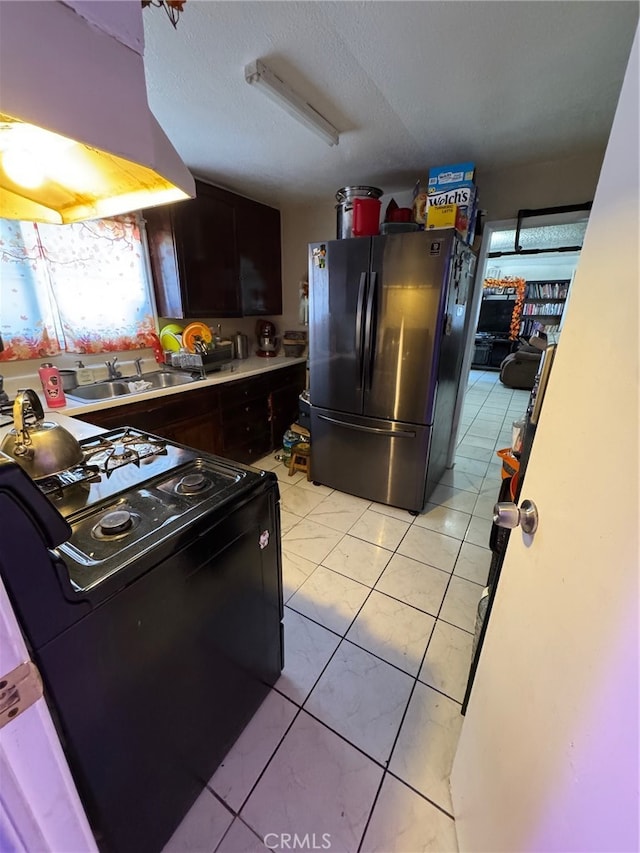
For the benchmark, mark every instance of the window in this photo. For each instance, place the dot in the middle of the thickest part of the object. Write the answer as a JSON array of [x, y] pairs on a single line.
[[80, 288]]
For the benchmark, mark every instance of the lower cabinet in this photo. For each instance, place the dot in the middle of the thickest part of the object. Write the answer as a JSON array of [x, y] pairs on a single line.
[[241, 420]]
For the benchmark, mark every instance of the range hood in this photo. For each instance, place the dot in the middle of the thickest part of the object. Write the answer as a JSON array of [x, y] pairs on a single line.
[[77, 137]]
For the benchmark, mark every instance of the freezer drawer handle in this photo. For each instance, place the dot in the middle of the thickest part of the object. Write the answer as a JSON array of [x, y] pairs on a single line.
[[398, 433]]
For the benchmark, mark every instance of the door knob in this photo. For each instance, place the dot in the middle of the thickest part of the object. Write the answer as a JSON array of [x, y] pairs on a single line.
[[507, 514]]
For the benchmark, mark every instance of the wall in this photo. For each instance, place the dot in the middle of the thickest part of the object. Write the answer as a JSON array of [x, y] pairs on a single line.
[[301, 225], [503, 191]]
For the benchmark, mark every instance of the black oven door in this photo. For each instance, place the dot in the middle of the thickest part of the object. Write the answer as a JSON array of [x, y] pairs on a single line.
[[152, 688]]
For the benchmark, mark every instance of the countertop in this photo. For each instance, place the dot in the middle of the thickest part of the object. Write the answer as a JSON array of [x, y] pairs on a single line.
[[238, 369], [79, 429]]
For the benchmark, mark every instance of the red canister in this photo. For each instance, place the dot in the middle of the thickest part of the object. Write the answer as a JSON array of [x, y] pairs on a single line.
[[366, 217]]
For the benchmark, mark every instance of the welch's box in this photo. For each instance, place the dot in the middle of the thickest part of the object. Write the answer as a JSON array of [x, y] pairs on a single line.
[[444, 178], [452, 198]]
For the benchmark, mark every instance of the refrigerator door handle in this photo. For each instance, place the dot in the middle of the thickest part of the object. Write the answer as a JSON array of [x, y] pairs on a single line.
[[370, 329], [398, 433], [359, 341]]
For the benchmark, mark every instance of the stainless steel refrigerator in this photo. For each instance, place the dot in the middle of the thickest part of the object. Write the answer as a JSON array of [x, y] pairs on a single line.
[[387, 332]]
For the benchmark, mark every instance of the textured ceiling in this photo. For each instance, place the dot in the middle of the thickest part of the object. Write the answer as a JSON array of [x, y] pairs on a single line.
[[408, 84]]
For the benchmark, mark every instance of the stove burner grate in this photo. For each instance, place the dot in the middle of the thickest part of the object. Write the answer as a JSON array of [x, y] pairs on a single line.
[[123, 447], [55, 483]]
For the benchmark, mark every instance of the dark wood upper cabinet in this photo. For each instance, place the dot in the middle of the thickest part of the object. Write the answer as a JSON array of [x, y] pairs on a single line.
[[217, 255]]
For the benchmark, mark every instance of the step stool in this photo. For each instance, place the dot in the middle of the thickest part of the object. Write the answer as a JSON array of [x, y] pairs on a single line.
[[300, 459]]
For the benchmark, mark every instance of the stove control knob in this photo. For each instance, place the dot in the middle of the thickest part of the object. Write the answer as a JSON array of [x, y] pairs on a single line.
[[115, 522]]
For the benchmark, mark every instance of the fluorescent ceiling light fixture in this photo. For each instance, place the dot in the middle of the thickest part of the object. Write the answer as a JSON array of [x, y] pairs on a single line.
[[258, 75]]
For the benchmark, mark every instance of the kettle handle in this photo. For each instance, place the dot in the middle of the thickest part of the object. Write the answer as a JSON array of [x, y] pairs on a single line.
[[24, 397]]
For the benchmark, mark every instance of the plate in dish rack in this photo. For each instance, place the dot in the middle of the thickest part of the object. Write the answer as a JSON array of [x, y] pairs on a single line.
[[171, 337], [194, 331]]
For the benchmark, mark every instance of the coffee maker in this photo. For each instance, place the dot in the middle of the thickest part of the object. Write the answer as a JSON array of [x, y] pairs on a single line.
[[268, 342]]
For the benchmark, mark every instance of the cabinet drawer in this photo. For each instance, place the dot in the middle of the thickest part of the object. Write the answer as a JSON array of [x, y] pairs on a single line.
[[249, 452], [235, 393], [250, 411], [239, 434]]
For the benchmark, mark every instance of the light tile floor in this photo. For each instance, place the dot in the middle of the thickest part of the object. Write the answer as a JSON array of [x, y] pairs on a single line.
[[355, 742]]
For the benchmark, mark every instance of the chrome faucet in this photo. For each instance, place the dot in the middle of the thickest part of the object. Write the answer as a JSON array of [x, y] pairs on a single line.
[[138, 364], [111, 367]]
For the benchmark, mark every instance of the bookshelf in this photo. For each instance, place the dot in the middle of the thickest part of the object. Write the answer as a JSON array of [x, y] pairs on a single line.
[[544, 303]]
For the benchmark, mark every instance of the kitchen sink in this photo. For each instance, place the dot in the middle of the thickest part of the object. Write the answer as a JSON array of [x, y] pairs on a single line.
[[165, 378], [99, 391], [109, 389]]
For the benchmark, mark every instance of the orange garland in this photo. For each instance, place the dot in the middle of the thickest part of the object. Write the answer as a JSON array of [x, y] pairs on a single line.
[[520, 286]]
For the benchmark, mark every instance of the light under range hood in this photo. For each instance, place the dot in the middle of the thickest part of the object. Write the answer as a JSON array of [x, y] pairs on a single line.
[[73, 99]]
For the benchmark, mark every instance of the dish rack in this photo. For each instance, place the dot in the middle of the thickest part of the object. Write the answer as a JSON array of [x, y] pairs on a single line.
[[214, 360]]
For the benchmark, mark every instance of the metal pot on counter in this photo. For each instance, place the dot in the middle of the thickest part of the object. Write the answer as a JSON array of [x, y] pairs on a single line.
[[241, 345], [40, 447], [69, 381]]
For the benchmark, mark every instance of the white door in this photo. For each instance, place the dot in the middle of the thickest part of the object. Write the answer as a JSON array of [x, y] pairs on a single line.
[[548, 754]]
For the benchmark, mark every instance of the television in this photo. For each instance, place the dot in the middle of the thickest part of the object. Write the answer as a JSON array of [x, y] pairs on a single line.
[[495, 315]]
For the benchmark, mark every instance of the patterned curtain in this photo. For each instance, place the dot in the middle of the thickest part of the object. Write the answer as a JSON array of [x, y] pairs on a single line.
[[78, 288]]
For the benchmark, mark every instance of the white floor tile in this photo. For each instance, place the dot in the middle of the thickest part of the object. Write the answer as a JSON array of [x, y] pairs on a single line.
[[425, 749], [288, 520], [247, 758], [430, 547], [460, 603], [329, 598], [202, 828], [311, 540], [484, 430], [473, 563], [465, 448], [446, 666], [282, 474], [318, 783], [307, 649], [393, 631], [379, 529], [268, 463], [362, 561], [404, 822], [462, 480], [295, 571], [339, 511], [414, 583], [470, 466], [320, 490], [484, 505], [240, 839], [478, 531], [453, 498], [362, 698], [443, 520], [480, 441], [299, 501], [393, 511]]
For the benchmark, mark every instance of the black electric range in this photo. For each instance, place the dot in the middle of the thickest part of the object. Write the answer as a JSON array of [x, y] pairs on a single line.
[[148, 584]]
